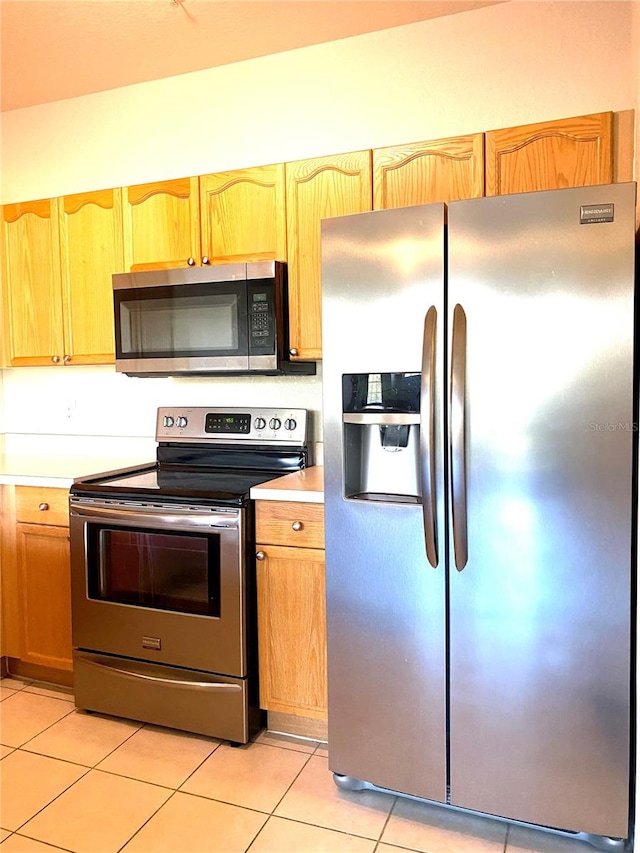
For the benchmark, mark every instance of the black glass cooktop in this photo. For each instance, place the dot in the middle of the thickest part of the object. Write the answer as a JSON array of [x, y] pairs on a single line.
[[226, 486]]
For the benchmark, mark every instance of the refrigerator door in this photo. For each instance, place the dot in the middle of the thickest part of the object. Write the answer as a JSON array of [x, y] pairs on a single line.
[[541, 309], [383, 320]]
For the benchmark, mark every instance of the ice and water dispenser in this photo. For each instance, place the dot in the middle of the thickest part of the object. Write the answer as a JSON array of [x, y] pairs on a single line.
[[381, 422]]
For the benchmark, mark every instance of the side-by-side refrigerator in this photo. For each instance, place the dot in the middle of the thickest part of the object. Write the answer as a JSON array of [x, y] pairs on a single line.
[[479, 448]]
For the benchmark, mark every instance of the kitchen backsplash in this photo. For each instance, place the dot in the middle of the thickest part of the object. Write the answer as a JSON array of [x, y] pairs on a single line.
[[97, 401]]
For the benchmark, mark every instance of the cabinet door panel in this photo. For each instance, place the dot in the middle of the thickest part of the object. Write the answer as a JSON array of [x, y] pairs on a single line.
[[318, 189], [242, 215], [292, 631], [45, 583], [573, 152], [90, 251], [32, 280], [422, 172], [161, 224]]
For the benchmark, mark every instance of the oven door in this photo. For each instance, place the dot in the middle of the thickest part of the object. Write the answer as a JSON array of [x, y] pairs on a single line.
[[160, 583]]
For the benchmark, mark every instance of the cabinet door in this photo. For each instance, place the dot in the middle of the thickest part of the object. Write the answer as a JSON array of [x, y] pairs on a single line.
[[573, 152], [161, 225], [317, 189], [90, 252], [242, 215], [422, 172], [32, 280], [292, 634], [45, 583]]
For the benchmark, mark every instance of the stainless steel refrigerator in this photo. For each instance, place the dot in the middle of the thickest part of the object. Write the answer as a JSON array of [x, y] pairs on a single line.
[[479, 447]]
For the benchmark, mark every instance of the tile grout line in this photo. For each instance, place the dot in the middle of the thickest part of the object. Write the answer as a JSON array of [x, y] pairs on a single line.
[[386, 823], [57, 796], [272, 812]]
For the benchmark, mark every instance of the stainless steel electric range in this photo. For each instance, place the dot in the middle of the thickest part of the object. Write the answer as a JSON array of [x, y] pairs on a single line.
[[163, 571]]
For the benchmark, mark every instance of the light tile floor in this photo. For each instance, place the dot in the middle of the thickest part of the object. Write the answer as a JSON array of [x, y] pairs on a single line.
[[95, 784]]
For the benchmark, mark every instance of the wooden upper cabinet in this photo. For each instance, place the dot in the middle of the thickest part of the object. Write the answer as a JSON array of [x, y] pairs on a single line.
[[161, 225], [422, 172], [90, 252], [573, 152], [243, 215], [317, 189], [31, 274]]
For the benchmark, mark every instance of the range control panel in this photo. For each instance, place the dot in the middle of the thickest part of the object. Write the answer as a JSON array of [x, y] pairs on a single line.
[[231, 425]]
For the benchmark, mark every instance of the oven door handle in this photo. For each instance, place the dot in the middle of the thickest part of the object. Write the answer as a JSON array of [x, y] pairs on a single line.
[[187, 516], [214, 686]]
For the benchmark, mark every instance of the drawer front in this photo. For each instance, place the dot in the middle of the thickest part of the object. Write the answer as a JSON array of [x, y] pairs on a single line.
[[290, 523], [40, 505]]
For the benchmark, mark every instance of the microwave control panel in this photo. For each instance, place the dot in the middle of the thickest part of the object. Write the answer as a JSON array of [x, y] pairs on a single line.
[[262, 324]]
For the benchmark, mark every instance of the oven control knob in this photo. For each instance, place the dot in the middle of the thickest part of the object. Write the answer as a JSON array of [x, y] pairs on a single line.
[[182, 421], [275, 423], [259, 423], [167, 421], [290, 424]]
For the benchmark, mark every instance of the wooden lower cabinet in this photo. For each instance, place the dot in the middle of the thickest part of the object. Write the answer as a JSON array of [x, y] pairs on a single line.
[[45, 586], [43, 576], [292, 634], [292, 631]]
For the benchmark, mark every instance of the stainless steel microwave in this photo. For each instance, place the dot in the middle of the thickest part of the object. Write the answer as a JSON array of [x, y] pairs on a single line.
[[226, 319]]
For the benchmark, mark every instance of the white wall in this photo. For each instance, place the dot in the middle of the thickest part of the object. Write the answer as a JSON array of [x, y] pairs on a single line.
[[503, 65]]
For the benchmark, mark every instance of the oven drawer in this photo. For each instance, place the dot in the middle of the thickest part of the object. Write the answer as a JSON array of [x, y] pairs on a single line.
[[290, 523], [40, 505], [186, 699]]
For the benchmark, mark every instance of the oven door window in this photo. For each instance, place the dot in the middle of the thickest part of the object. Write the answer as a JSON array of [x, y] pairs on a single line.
[[198, 320], [152, 568]]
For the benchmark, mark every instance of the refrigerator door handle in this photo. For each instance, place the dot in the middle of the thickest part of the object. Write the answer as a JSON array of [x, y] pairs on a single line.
[[457, 437], [427, 435]]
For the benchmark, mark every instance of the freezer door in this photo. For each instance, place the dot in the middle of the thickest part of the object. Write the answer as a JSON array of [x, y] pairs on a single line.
[[383, 315], [541, 309]]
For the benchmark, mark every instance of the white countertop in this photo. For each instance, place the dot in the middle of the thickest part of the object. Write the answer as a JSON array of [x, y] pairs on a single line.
[[56, 471], [305, 486], [56, 461]]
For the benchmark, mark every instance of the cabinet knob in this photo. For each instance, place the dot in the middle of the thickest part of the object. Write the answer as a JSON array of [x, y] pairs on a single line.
[[297, 525], [293, 351], [66, 359], [191, 262], [43, 506], [205, 259], [260, 555], [55, 359]]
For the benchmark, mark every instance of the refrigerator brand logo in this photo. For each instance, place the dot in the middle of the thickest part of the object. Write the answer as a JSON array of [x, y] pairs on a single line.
[[590, 213], [620, 426]]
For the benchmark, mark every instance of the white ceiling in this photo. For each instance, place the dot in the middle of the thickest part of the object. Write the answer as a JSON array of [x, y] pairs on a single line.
[[57, 49]]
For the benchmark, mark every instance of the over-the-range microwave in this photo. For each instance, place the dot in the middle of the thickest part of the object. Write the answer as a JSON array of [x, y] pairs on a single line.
[[222, 319]]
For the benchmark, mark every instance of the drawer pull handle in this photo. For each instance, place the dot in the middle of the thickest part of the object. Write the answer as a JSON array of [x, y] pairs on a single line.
[[43, 507], [297, 525], [260, 555]]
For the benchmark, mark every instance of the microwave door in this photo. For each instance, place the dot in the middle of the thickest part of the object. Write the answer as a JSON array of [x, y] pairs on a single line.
[[196, 328]]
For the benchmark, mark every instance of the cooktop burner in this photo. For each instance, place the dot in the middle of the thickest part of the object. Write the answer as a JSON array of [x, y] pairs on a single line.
[[214, 455]]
